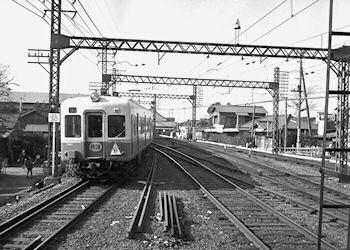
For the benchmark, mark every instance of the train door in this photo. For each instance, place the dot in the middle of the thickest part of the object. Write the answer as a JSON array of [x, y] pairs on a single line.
[[94, 135]]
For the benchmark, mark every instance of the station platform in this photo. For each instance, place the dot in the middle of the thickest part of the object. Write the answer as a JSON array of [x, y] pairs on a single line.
[[14, 181]]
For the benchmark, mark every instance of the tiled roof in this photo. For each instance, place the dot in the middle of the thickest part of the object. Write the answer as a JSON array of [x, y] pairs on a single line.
[[7, 122], [236, 109], [292, 122], [34, 97]]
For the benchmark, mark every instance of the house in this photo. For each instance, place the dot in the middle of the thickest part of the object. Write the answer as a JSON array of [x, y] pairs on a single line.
[[23, 131], [22, 102], [263, 129], [230, 117], [225, 122]]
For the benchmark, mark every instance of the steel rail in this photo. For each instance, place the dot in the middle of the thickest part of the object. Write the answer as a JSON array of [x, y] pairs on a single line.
[[245, 230], [169, 213], [13, 224], [31, 210], [64, 228], [138, 218], [340, 217], [297, 227], [298, 161], [176, 216]]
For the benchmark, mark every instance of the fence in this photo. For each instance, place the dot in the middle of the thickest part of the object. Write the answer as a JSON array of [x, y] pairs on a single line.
[[309, 151]]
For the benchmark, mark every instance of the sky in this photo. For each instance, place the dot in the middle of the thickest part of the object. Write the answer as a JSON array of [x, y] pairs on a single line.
[[302, 23]]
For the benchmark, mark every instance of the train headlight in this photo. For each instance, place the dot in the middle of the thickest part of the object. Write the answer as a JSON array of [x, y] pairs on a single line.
[[95, 97]]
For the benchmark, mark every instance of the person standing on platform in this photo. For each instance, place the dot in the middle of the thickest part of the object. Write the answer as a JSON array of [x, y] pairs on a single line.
[[25, 161]]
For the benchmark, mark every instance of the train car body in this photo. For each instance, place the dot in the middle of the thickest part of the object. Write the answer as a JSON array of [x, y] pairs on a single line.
[[100, 134]]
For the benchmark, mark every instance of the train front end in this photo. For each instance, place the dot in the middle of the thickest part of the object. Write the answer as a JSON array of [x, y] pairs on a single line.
[[95, 136]]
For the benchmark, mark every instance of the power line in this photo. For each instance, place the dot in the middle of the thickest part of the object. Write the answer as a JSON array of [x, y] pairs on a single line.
[[271, 29], [314, 36], [90, 18], [110, 13], [283, 22], [31, 11], [262, 17], [256, 22], [91, 32]]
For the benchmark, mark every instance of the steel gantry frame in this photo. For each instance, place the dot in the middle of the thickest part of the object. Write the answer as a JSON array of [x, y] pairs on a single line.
[[73, 43], [151, 95], [271, 87], [190, 98], [54, 60]]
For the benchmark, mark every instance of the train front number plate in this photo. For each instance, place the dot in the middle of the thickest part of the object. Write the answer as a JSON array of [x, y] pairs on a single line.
[[95, 146]]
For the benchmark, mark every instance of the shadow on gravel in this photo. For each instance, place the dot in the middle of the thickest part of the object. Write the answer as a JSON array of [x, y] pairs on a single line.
[[185, 221]]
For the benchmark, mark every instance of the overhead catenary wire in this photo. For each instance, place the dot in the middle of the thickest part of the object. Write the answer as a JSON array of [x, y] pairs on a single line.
[[286, 20], [70, 33], [43, 17], [90, 18], [266, 33], [260, 19], [33, 12], [255, 23], [79, 15]]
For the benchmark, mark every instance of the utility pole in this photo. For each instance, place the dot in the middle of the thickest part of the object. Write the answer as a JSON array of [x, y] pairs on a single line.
[[252, 135], [154, 104], [306, 101], [194, 111], [285, 126], [299, 107]]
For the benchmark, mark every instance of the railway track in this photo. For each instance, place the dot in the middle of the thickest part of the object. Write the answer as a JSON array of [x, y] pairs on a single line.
[[137, 222], [290, 184], [38, 227], [261, 225], [284, 185]]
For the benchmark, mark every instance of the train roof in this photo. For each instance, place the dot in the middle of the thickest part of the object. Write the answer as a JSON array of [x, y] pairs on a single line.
[[86, 101]]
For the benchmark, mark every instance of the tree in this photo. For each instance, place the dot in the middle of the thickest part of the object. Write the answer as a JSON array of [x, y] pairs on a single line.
[[294, 103], [5, 81], [203, 122]]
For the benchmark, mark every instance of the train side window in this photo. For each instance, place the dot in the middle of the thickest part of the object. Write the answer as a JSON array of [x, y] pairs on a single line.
[[142, 122], [95, 125], [116, 126], [73, 126], [135, 125]]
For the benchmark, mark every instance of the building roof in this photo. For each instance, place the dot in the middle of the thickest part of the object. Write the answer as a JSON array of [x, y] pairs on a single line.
[[34, 97], [236, 109], [266, 121], [7, 123]]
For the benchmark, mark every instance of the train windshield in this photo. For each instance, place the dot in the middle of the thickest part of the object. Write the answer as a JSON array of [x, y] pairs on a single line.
[[116, 126], [73, 126], [94, 125]]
